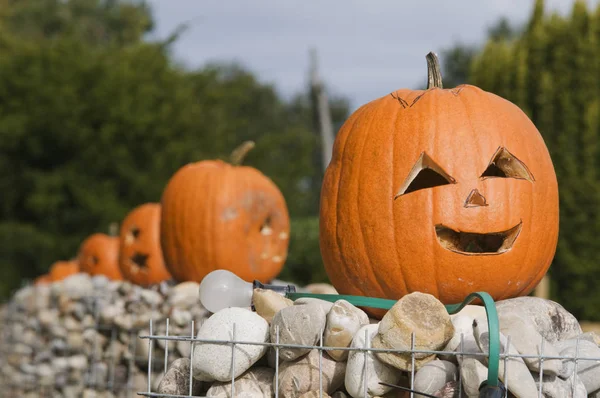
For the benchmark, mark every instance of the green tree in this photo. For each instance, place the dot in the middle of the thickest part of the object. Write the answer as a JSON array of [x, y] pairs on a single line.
[[92, 125], [554, 67]]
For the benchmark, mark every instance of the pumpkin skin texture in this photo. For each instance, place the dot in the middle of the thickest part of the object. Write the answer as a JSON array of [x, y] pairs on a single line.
[[141, 258], [62, 269], [380, 241], [216, 215], [99, 255]]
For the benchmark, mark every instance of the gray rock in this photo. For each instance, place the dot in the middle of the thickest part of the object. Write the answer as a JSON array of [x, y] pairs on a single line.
[[588, 371], [298, 324], [555, 387], [434, 375], [528, 341], [177, 379], [309, 300], [377, 371], [184, 295], [302, 375], [551, 319], [77, 286], [256, 382], [521, 382]]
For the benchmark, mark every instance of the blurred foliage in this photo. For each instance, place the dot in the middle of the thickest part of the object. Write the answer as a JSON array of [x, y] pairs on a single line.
[[552, 71], [304, 264], [94, 121], [457, 59]]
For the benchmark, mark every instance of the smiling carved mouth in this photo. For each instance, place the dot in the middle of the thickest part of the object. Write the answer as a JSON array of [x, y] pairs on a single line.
[[471, 243]]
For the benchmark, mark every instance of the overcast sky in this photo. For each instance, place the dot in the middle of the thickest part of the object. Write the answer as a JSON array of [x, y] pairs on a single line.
[[366, 48]]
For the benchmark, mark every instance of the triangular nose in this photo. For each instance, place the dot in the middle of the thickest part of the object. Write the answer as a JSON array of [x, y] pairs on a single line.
[[475, 199]]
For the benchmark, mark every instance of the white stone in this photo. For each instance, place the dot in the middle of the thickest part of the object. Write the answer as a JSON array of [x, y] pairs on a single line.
[[463, 331], [527, 341], [521, 382], [184, 295], [588, 371], [213, 361], [555, 387], [343, 321], [377, 371], [473, 373], [434, 375]]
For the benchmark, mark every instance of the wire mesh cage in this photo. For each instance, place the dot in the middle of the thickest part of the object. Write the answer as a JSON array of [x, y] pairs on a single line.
[[578, 364], [43, 355]]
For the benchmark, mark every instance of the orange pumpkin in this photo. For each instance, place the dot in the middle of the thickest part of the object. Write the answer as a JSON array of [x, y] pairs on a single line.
[[99, 255], [217, 215], [440, 191], [141, 259], [42, 280], [61, 269]]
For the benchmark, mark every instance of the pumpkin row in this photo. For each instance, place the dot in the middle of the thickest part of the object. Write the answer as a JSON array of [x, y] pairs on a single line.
[[213, 215]]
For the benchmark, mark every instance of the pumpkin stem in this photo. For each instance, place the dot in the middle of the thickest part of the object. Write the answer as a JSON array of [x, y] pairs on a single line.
[[434, 73], [239, 153]]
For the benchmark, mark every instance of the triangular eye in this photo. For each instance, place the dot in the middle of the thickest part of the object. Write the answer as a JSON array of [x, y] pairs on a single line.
[[505, 165], [425, 174]]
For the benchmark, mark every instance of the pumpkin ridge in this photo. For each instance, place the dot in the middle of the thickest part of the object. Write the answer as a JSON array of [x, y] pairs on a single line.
[[395, 122], [375, 274], [337, 197], [433, 199]]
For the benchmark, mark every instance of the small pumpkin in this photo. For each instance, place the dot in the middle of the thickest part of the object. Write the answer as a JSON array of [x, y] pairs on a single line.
[[42, 280], [217, 215], [99, 255], [442, 191], [61, 269], [141, 258]]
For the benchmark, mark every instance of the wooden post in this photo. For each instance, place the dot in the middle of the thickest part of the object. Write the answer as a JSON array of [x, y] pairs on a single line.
[[113, 229], [542, 290], [321, 105]]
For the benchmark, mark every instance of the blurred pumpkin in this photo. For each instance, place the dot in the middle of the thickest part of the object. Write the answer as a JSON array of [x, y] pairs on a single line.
[[141, 258], [42, 280], [99, 255], [442, 191], [217, 215], [61, 269]]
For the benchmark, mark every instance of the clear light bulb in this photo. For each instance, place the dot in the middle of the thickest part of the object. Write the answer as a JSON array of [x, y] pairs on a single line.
[[222, 289]]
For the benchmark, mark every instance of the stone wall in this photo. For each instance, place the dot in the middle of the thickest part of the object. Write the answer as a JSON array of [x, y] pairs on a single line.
[[79, 337]]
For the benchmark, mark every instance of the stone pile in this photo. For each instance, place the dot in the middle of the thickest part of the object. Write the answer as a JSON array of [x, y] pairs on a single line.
[[526, 324], [79, 337]]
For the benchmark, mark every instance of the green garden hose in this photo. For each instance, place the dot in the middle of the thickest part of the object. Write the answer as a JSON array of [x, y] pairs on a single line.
[[488, 303]]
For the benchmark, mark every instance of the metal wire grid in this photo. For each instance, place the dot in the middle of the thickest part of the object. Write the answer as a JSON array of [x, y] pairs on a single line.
[[504, 357], [10, 314]]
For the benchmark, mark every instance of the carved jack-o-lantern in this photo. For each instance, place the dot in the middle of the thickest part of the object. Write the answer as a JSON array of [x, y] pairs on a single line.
[[99, 255], [217, 215], [445, 192], [141, 259]]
